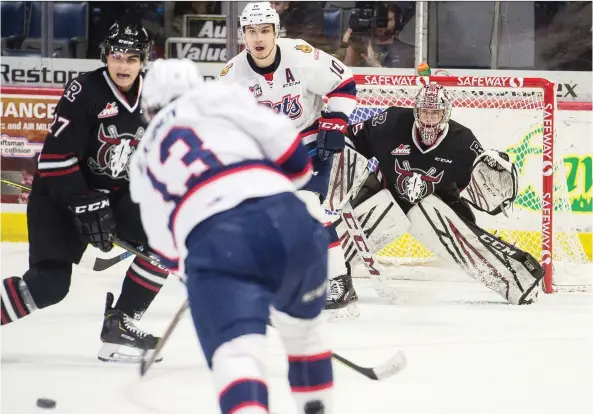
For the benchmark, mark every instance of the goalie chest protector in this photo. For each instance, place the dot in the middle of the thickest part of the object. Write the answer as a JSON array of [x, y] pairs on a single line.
[[412, 171]]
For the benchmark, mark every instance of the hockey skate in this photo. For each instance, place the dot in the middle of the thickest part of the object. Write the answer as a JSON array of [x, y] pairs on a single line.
[[341, 299], [122, 340]]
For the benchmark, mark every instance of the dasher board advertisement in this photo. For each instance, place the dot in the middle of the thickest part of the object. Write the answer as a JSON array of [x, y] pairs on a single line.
[[26, 114], [47, 72]]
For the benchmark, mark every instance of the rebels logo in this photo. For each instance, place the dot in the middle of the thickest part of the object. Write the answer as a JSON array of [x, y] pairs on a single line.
[[289, 106], [114, 154], [414, 184]]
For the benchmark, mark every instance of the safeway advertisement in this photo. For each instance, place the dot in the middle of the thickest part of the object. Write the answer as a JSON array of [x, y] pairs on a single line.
[[572, 86]]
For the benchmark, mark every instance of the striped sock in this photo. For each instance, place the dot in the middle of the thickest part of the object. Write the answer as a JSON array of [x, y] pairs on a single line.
[[143, 281], [244, 395], [13, 306], [311, 378]]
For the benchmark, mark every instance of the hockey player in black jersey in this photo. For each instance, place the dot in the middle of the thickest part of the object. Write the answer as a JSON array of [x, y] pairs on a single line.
[[426, 160], [80, 194]]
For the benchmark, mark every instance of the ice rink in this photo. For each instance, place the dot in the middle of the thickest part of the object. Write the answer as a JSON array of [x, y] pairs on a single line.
[[468, 353]]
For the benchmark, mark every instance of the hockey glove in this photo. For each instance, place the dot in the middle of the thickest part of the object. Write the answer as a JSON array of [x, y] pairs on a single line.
[[494, 184], [94, 220], [330, 139]]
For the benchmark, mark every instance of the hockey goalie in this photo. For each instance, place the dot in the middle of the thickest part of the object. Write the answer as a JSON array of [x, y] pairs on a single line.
[[425, 161]]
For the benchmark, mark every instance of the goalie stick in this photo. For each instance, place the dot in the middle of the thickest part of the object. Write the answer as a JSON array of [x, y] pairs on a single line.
[[355, 230], [380, 372]]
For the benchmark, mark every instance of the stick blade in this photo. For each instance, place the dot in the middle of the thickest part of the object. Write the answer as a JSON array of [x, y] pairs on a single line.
[[395, 365]]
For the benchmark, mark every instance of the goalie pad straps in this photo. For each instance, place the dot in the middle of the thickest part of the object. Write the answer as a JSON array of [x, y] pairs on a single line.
[[382, 220], [494, 183], [501, 267]]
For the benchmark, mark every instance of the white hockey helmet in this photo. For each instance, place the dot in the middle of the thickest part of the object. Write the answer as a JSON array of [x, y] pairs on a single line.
[[167, 80], [432, 96], [259, 13]]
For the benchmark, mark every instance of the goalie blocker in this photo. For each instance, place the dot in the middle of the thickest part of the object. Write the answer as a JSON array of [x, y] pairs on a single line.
[[503, 268]]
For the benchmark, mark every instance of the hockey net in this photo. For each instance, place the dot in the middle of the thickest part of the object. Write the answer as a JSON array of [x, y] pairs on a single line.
[[505, 113]]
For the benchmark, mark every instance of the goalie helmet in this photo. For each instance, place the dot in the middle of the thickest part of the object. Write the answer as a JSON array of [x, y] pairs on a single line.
[[432, 123], [166, 81], [259, 13], [126, 38]]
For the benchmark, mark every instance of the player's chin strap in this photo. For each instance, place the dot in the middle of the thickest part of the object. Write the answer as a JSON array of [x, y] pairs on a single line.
[[494, 183]]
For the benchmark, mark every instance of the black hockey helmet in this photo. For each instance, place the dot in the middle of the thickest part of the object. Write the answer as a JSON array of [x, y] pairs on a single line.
[[126, 38]]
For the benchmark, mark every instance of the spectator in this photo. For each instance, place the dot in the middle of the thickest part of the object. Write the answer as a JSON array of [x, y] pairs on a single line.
[[565, 43], [380, 47], [301, 20], [26, 180]]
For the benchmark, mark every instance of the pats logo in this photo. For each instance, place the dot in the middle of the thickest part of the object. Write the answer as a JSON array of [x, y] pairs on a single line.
[[289, 105], [226, 69], [401, 150], [304, 48], [114, 154], [256, 90], [414, 184], [109, 111]]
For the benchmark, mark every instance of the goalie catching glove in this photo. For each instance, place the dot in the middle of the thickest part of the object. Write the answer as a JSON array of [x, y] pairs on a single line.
[[494, 183], [330, 138], [94, 220]]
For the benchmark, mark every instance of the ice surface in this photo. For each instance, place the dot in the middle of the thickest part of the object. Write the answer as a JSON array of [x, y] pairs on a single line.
[[468, 353]]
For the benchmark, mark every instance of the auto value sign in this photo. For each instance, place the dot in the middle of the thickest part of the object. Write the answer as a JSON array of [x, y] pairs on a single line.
[[204, 39]]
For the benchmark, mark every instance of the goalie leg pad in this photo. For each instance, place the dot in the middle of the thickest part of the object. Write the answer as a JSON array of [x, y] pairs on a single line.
[[501, 267], [382, 220]]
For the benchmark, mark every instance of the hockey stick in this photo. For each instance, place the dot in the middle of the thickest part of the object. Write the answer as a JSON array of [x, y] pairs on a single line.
[[104, 264], [146, 363], [15, 185], [362, 246], [99, 264], [380, 372], [359, 238], [393, 366]]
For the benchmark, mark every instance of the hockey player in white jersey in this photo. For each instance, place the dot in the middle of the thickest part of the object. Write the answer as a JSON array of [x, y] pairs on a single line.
[[216, 177], [292, 77]]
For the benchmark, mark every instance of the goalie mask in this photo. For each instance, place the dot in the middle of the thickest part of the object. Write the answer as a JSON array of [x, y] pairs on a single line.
[[432, 111], [256, 14]]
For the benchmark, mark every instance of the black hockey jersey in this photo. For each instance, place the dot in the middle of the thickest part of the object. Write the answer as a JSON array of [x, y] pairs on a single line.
[[95, 131], [410, 170]]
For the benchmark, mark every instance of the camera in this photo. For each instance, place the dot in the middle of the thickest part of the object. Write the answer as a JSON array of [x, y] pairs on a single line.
[[367, 19]]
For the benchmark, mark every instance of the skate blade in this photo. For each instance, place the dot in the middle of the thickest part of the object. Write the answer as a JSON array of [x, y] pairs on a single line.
[[124, 354], [346, 313]]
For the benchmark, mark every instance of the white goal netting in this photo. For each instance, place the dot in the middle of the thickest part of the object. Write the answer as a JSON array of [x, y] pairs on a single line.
[[515, 115]]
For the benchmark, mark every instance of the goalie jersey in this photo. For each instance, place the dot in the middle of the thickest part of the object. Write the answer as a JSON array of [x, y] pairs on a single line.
[[296, 83], [410, 170], [205, 153]]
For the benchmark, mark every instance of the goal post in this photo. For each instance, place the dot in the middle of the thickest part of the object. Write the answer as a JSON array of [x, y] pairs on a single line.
[[513, 114]]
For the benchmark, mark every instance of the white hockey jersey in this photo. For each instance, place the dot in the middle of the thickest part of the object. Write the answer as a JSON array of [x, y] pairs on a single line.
[[303, 75], [206, 153]]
